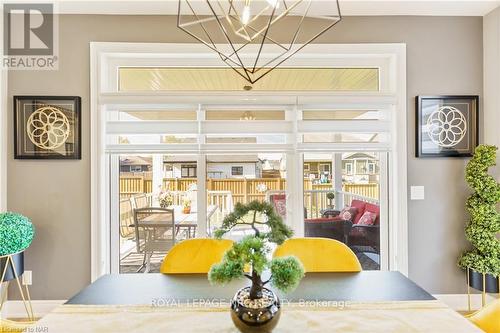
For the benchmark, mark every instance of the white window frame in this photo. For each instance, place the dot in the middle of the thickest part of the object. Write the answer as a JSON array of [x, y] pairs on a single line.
[[237, 166], [371, 168], [3, 129], [349, 168], [107, 57], [325, 164]]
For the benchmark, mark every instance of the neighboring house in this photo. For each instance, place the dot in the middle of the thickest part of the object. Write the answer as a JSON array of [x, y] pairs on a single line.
[[218, 167], [359, 168], [135, 164]]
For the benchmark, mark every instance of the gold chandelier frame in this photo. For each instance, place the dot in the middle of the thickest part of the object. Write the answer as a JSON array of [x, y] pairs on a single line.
[[249, 34]]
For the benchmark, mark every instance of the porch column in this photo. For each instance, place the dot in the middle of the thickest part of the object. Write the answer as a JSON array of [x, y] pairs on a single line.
[[157, 175], [295, 193], [337, 180], [201, 199]]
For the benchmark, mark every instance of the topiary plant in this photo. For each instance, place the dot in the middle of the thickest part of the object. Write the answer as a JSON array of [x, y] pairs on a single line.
[[253, 251], [16, 233], [484, 224]]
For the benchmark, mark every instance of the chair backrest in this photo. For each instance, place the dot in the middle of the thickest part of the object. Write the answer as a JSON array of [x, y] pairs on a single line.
[[141, 201], [488, 318], [161, 235], [320, 254], [194, 255], [126, 218]]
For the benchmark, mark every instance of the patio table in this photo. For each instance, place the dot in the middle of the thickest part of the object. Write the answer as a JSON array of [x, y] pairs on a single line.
[[182, 220], [368, 301]]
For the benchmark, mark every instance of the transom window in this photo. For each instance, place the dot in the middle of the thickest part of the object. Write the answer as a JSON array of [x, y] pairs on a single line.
[[224, 79]]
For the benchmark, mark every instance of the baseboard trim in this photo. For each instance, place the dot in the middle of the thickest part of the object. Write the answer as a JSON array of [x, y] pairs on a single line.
[[459, 302], [15, 309]]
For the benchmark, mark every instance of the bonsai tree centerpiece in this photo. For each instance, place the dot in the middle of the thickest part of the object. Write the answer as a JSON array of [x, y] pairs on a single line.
[[484, 224], [256, 308]]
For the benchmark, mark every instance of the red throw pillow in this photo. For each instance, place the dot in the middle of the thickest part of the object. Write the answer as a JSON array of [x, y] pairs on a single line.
[[368, 218], [360, 205], [348, 213], [372, 208], [279, 202]]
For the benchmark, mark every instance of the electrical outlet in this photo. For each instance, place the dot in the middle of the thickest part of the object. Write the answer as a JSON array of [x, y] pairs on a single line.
[[27, 278]]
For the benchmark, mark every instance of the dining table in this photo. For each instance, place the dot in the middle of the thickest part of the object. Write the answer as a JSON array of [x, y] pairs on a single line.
[[366, 301]]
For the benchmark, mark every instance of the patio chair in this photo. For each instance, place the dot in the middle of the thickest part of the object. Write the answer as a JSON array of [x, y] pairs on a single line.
[[155, 231], [141, 201], [329, 225], [320, 254], [366, 237], [126, 218]]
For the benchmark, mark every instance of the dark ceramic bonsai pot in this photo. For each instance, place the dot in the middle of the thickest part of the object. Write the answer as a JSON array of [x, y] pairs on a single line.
[[18, 259], [250, 319], [476, 282]]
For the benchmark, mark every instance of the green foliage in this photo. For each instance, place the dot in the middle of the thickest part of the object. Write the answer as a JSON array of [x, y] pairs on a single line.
[[253, 251], [330, 195], [278, 232], [16, 233], [484, 224], [286, 273]]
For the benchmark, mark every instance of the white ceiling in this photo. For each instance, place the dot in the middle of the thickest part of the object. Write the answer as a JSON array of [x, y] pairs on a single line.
[[348, 7]]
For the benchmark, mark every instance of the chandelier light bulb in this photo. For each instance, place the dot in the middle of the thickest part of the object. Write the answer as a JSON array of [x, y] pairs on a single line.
[[245, 15]]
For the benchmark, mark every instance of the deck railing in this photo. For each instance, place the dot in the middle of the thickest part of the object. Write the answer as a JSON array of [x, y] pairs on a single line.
[[315, 201], [243, 190]]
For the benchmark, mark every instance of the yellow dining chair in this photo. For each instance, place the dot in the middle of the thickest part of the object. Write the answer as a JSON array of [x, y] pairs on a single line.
[[488, 318], [195, 255], [15, 326], [320, 254]]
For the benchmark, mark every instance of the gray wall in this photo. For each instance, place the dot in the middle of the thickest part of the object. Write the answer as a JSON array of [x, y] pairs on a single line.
[[444, 57]]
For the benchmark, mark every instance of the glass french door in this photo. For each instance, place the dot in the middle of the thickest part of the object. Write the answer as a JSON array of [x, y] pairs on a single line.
[[344, 200]]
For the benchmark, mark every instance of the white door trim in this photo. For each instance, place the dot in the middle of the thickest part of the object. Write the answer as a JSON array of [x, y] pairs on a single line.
[[105, 56], [3, 130]]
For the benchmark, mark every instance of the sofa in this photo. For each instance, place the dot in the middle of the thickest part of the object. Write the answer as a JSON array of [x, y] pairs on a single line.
[[349, 231]]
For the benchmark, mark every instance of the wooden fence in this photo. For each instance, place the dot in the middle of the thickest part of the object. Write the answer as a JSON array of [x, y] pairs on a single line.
[[243, 190]]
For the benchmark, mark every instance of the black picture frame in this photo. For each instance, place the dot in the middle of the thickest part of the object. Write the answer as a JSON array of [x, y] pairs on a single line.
[[432, 114], [47, 127]]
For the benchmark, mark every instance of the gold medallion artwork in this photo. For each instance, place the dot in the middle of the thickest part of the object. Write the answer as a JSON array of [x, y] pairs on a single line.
[[48, 128]]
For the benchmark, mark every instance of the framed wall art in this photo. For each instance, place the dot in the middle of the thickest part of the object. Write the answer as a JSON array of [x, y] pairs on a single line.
[[47, 127], [446, 126]]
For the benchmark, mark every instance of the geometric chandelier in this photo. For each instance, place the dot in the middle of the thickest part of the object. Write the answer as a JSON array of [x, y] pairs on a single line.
[[255, 36]]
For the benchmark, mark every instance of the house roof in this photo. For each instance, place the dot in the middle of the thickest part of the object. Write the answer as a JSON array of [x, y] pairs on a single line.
[[136, 160], [249, 158], [324, 157]]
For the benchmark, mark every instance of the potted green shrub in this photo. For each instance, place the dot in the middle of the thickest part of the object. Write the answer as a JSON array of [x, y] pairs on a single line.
[[16, 235], [484, 223], [256, 308], [330, 196]]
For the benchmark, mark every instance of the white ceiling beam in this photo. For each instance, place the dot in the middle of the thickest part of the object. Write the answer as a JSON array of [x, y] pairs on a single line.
[[246, 127], [348, 7], [343, 126], [152, 127]]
